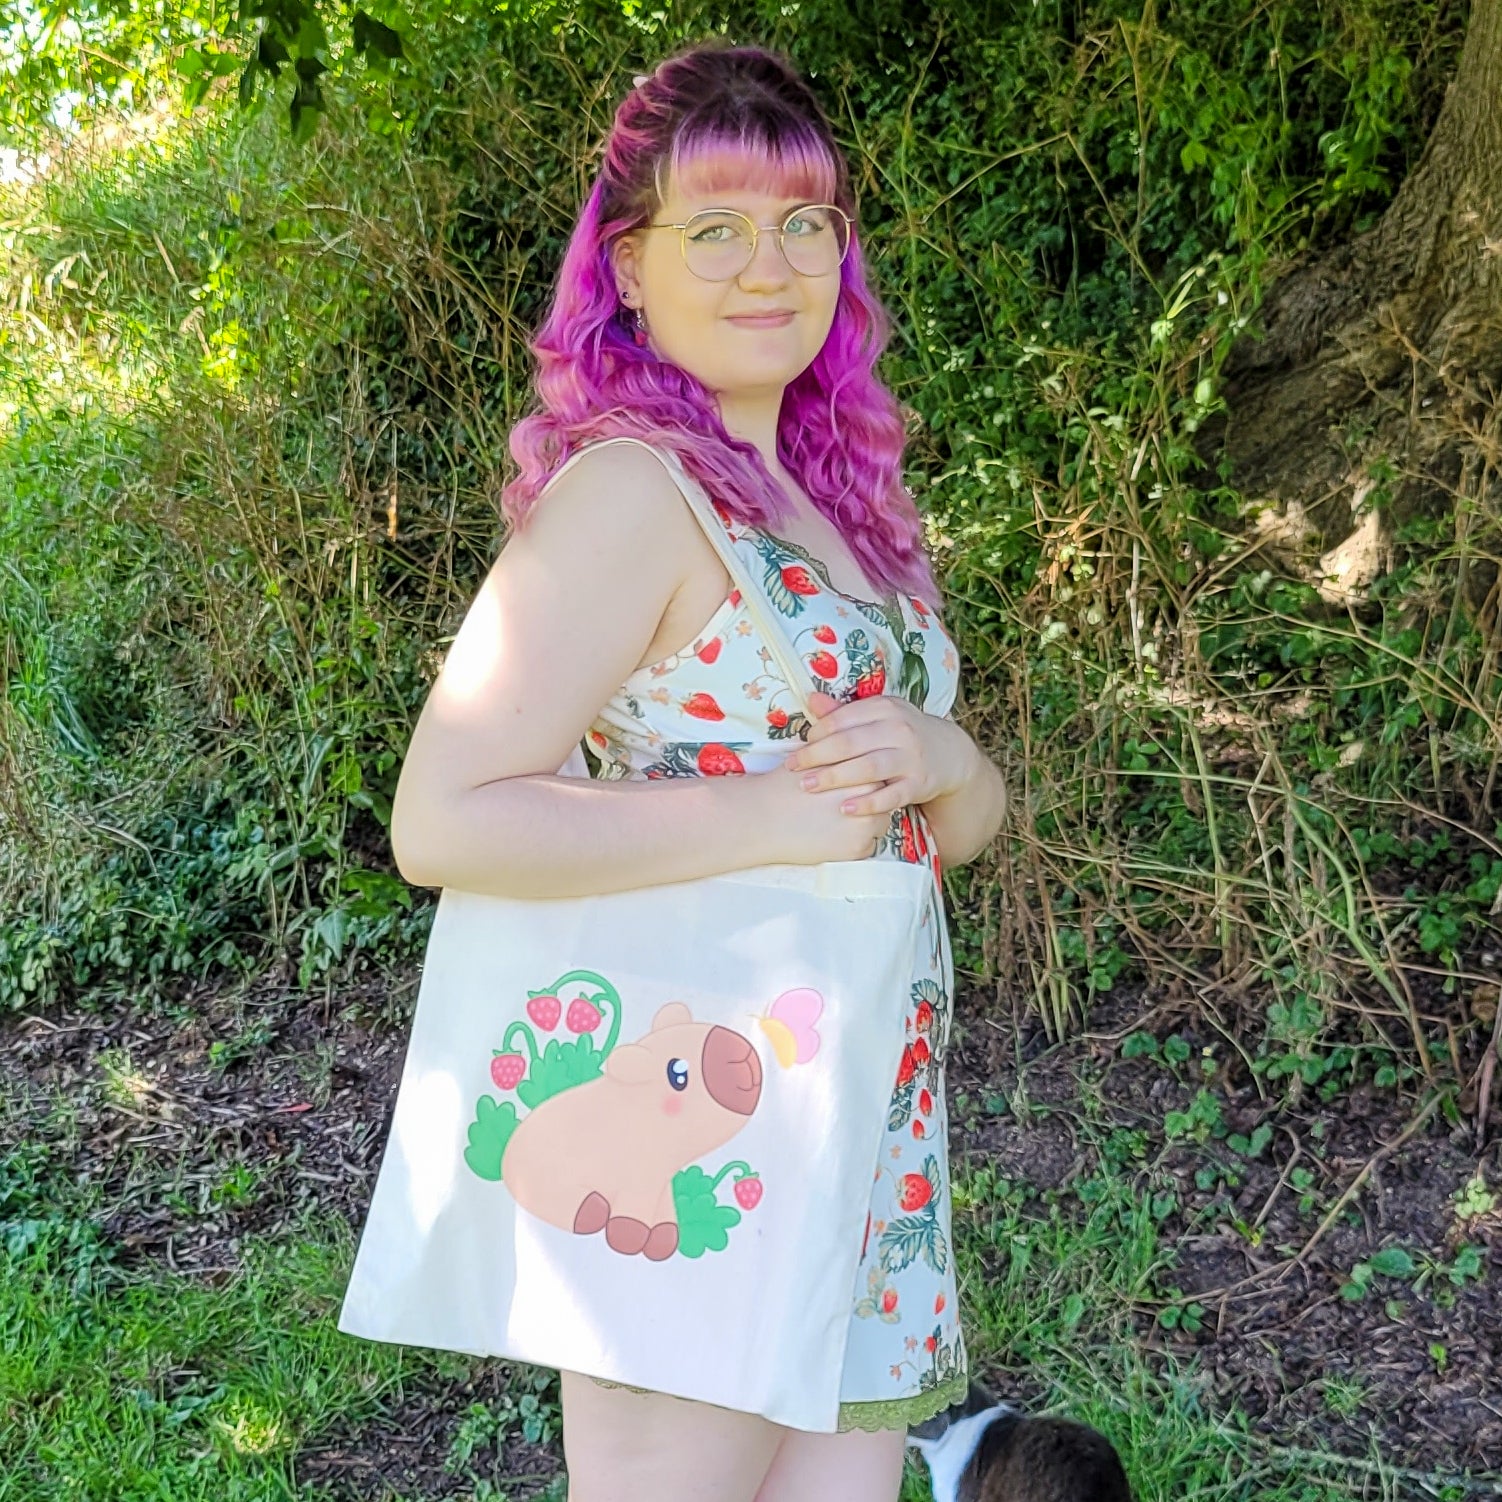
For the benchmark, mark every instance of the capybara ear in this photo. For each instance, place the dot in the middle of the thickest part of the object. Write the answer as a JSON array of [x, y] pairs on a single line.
[[673, 1014], [630, 1064]]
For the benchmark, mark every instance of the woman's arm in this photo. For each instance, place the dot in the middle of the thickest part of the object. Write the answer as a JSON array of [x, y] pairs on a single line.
[[916, 757], [566, 614], [965, 820]]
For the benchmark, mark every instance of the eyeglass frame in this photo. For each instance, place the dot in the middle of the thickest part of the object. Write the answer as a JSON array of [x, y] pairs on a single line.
[[756, 233]]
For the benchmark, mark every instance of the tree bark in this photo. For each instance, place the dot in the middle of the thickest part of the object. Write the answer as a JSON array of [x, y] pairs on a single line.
[[1372, 350]]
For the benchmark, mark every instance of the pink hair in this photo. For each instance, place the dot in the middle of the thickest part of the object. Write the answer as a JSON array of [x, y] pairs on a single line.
[[713, 116]]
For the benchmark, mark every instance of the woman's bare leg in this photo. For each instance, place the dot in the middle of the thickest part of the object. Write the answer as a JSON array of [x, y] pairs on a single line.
[[854, 1467], [621, 1446]]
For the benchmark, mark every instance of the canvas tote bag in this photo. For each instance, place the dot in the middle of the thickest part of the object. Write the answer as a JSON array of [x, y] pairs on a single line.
[[636, 1133]]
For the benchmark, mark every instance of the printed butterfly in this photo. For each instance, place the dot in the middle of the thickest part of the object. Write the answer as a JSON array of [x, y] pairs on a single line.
[[789, 1026]]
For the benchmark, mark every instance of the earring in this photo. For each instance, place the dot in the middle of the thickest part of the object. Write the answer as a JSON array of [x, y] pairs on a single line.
[[639, 328]]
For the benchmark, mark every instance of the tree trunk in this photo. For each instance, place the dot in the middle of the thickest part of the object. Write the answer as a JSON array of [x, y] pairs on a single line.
[[1384, 349]]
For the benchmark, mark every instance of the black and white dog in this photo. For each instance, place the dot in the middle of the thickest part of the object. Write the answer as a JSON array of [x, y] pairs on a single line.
[[982, 1450]]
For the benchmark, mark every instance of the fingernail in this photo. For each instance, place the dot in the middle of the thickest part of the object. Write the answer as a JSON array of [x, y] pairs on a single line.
[[810, 781], [847, 808]]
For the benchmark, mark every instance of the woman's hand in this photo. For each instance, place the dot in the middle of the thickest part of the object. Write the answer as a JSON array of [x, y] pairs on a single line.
[[915, 757]]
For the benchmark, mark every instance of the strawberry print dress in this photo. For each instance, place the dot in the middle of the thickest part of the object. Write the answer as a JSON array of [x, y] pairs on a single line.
[[721, 708]]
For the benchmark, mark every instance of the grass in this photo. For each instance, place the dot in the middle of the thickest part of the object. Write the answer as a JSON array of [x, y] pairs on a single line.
[[147, 1386], [134, 1387]]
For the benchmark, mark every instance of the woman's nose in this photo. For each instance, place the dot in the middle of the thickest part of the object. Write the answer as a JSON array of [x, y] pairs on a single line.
[[768, 266]]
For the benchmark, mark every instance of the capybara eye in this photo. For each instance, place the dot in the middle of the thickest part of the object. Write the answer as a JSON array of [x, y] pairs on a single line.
[[678, 1074]]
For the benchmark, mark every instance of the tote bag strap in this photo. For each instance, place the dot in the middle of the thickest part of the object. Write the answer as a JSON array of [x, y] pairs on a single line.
[[755, 597]]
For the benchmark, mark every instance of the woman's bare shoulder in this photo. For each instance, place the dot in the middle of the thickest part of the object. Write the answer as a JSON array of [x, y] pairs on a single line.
[[616, 480]]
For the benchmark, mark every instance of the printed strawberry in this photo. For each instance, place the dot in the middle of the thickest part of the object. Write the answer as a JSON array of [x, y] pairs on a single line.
[[735, 597], [923, 1018], [925, 1103], [748, 1192], [909, 843], [507, 1069], [906, 1068], [545, 1011], [921, 1054], [583, 1016], [871, 684], [795, 579], [931, 1344], [716, 760], [914, 1192], [710, 650], [703, 707], [824, 634], [919, 1130], [888, 1300], [824, 665], [777, 719], [920, 607], [939, 1304]]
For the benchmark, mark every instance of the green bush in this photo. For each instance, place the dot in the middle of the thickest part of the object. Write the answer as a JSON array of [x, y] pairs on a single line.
[[252, 486]]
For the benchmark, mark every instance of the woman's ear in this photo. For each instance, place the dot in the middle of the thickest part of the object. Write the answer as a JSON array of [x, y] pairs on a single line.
[[625, 262]]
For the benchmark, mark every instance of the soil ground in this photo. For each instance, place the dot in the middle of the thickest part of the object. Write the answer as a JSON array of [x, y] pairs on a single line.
[[290, 1100]]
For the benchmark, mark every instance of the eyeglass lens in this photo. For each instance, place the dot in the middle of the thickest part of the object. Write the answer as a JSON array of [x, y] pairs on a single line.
[[717, 243]]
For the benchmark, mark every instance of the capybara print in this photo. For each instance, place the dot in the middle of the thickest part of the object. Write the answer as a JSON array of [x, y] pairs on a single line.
[[613, 1133]]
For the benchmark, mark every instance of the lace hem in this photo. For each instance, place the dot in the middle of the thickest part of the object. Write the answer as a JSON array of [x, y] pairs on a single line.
[[881, 1413], [903, 1413]]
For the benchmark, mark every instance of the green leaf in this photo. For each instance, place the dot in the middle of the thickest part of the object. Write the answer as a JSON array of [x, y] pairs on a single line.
[[561, 1067], [1394, 1262], [780, 595], [489, 1133], [905, 1240], [704, 1225], [375, 36], [931, 1173]]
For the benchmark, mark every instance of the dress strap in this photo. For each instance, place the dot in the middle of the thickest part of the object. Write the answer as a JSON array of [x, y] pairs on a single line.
[[753, 594]]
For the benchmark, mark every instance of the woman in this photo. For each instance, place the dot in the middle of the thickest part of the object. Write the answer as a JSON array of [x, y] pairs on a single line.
[[712, 302]]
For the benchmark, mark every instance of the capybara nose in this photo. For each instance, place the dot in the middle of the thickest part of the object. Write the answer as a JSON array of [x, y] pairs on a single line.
[[732, 1072]]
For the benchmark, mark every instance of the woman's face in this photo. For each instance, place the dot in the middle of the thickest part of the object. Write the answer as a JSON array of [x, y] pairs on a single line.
[[703, 326]]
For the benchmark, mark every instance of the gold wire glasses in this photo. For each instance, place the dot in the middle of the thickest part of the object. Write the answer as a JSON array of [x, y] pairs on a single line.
[[718, 244]]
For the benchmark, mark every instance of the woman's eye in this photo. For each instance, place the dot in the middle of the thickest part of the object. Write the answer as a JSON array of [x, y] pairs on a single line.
[[678, 1074]]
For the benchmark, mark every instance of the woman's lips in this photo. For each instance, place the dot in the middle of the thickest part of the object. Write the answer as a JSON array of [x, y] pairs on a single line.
[[762, 320]]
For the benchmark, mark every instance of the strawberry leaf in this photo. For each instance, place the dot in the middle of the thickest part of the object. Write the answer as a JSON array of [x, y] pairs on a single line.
[[562, 1066], [704, 1225], [489, 1133], [901, 1110], [786, 602]]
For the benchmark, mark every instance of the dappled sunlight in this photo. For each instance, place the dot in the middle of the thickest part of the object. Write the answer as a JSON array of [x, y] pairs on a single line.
[[476, 651], [425, 1135], [254, 1429]]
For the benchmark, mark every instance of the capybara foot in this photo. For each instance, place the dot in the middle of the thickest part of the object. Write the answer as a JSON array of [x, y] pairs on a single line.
[[625, 1235], [662, 1242], [593, 1214]]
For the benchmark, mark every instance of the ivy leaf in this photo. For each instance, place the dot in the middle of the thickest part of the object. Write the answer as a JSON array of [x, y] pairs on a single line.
[[375, 36]]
